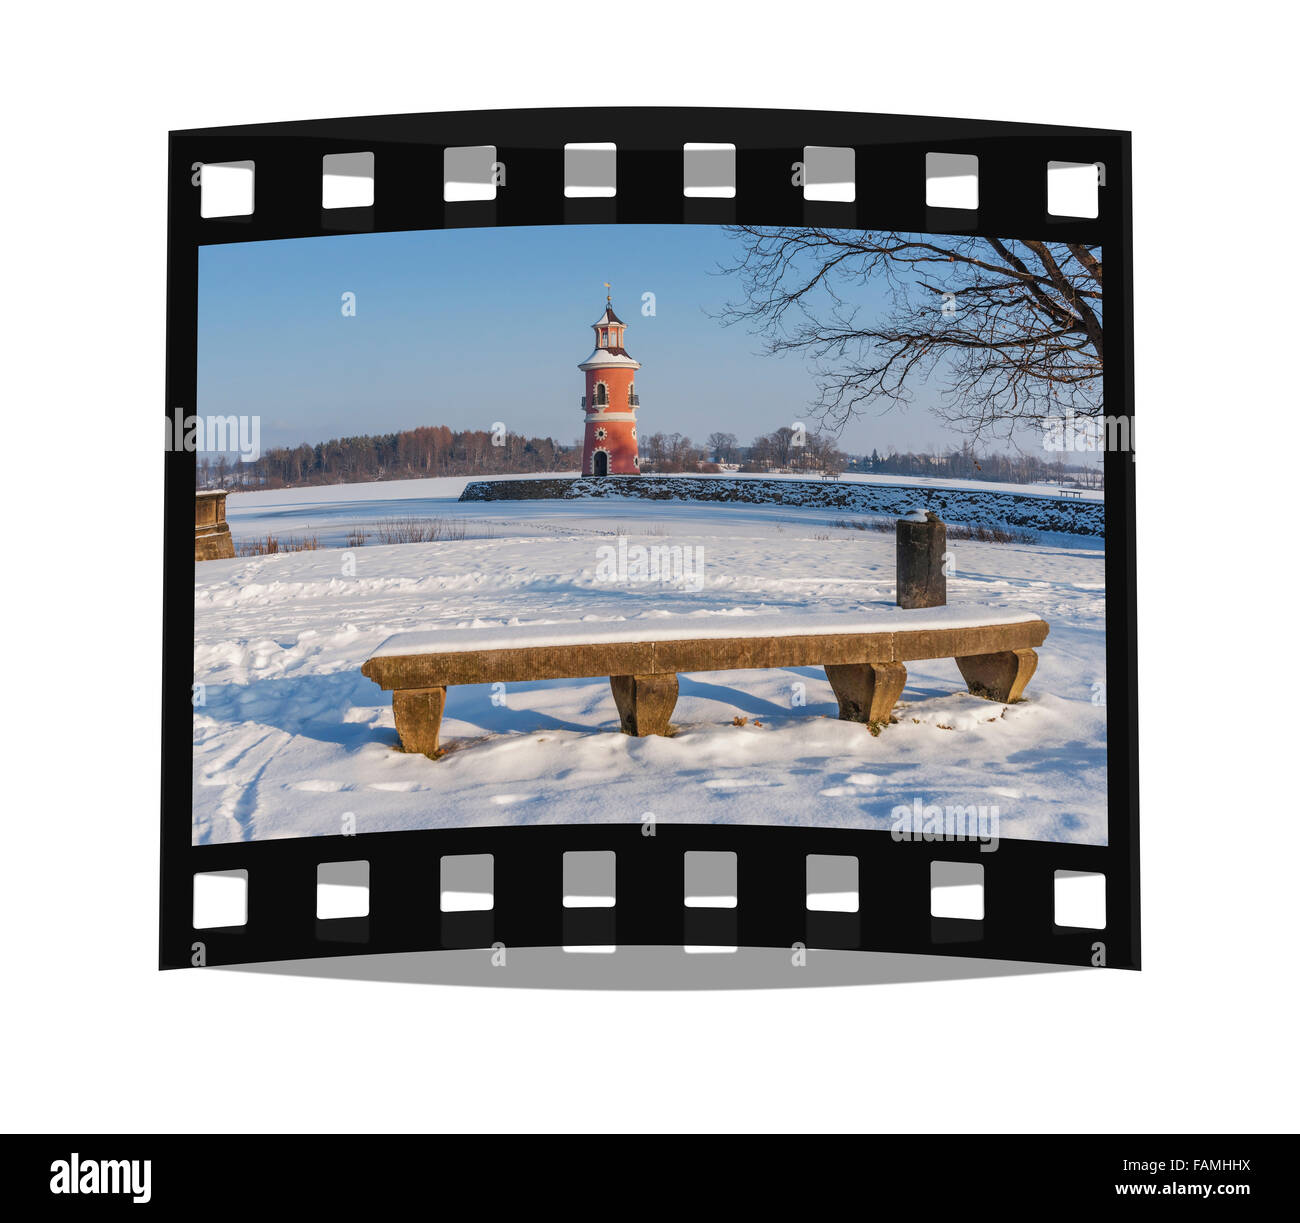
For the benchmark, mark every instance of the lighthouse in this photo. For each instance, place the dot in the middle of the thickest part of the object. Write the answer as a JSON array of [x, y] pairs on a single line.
[[610, 404]]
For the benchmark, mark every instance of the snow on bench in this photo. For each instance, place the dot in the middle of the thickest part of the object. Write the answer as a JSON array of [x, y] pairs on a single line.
[[863, 654]]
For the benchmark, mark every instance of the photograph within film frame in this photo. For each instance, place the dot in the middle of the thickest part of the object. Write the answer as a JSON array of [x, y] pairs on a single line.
[[437, 184]]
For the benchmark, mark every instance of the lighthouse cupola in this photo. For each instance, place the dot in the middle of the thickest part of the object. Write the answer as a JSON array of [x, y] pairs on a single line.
[[609, 443]]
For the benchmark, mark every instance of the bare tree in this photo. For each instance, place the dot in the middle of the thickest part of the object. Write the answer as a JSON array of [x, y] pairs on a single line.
[[668, 452], [722, 446], [782, 444], [760, 454], [824, 455], [1012, 329]]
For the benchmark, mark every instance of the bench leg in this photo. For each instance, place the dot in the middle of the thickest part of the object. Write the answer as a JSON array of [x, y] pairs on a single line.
[[418, 714], [867, 691], [645, 702], [998, 677]]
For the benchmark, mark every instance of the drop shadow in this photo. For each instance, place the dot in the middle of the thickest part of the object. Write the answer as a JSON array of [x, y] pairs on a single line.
[[473, 703], [651, 969], [312, 706], [745, 702]]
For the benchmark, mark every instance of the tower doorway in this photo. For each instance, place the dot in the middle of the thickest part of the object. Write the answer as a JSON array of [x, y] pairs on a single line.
[[600, 463]]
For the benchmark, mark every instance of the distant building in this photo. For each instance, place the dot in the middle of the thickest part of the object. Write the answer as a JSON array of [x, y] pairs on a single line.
[[609, 443]]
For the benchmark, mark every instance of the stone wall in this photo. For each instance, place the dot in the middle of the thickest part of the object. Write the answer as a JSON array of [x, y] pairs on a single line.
[[975, 507]]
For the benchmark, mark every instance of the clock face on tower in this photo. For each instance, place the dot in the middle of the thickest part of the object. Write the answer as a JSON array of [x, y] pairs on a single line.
[[611, 402]]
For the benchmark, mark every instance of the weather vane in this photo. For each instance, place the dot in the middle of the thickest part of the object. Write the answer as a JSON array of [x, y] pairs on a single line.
[[608, 296]]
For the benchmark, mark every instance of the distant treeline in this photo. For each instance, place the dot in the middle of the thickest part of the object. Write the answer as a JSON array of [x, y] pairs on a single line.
[[966, 464], [810, 452], [433, 450], [436, 450]]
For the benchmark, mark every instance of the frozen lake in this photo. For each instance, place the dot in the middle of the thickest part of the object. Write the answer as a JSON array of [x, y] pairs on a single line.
[[331, 513]]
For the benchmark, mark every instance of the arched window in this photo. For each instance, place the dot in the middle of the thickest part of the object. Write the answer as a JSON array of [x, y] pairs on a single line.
[[602, 395]]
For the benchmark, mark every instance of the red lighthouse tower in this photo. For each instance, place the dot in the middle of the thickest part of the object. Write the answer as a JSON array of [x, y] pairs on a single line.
[[609, 445]]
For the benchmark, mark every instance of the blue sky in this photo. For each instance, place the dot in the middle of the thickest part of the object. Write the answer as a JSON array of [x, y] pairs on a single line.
[[467, 327]]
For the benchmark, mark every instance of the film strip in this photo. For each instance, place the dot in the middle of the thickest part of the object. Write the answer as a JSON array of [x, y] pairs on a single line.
[[763, 897]]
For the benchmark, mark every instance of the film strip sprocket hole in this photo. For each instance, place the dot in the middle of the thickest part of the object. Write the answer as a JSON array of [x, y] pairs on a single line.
[[227, 189], [697, 885]]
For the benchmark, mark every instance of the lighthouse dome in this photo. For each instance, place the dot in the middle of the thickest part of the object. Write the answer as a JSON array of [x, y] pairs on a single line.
[[609, 352], [604, 358]]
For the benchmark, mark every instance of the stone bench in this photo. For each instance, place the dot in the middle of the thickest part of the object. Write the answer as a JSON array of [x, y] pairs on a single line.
[[864, 656]]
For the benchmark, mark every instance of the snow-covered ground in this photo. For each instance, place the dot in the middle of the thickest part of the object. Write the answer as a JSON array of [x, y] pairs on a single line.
[[292, 737]]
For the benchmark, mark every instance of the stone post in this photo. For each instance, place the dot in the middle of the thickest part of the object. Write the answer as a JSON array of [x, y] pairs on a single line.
[[922, 542], [212, 539]]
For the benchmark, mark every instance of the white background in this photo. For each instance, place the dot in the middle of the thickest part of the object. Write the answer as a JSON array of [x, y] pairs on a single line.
[[94, 1037]]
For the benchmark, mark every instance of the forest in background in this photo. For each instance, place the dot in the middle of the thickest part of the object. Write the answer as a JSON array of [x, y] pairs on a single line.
[[437, 450], [433, 450]]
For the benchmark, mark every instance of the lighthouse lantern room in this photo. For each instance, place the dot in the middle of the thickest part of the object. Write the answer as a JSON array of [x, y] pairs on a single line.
[[610, 404]]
